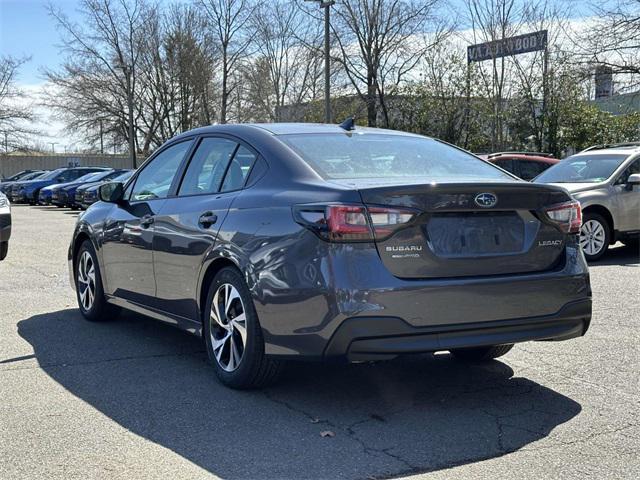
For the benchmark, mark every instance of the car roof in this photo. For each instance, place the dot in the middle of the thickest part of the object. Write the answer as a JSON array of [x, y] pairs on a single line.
[[522, 156], [289, 128], [621, 150]]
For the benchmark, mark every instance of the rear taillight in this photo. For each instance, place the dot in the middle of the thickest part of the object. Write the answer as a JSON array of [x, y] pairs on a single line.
[[567, 216], [352, 223]]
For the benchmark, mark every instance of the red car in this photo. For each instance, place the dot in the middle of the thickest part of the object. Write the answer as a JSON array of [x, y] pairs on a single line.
[[526, 165]]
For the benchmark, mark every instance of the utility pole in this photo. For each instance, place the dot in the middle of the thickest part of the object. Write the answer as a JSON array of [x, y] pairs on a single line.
[[53, 146], [6, 142], [326, 4]]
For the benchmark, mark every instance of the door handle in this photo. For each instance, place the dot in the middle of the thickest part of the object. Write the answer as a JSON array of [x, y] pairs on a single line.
[[146, 221], [207, 219]]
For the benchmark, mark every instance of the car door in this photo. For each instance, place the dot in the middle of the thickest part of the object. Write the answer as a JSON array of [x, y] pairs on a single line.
[[188, 224], [128, 228], [627, 200]]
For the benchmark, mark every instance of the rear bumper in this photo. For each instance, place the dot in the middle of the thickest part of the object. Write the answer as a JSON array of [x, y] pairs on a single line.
[[346, 289], [377, 338]]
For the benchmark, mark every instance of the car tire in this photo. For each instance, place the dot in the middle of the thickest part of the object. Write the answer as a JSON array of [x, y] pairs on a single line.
[[480, 354], [595, 235], [89, 291], [237, 356], [4, 249]]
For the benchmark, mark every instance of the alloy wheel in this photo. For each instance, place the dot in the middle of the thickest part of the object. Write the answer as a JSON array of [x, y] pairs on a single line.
[[228, 327], [86, 280], [592, 237]]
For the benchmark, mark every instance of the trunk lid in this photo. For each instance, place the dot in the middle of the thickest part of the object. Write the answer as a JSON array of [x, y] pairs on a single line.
[[470, 229]]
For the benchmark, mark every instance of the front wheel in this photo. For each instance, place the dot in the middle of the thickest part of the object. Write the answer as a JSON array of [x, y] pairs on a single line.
[[233, 335], [89, 291], [481, 354], [594, 236]]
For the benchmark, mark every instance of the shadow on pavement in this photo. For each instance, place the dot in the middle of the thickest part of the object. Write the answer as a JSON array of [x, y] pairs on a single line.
[[620, 255], [413, 414]]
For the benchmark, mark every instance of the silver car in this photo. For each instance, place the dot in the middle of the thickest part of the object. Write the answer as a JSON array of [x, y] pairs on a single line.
[[605, 180]]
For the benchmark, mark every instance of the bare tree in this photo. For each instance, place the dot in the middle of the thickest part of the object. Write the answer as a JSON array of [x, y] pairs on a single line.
[[380, 42], [98, 80], [228, 20], [285, 70], [175, 73], [493, 20], [15, 114], [614, 39]]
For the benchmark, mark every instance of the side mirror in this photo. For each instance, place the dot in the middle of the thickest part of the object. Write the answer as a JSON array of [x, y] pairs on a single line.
[[111, 192], [60, 179], [634, 179]]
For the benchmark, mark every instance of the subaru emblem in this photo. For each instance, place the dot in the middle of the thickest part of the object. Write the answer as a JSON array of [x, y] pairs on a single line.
[[486, 200]]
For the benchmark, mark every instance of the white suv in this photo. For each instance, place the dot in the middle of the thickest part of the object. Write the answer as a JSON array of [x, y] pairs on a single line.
[[606, 182]]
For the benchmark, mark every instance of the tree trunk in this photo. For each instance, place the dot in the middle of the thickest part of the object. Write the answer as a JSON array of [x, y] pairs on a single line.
[[372, 113], [225, 93]]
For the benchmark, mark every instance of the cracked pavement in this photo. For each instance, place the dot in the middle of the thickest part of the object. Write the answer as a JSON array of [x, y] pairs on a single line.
[[135, 399]]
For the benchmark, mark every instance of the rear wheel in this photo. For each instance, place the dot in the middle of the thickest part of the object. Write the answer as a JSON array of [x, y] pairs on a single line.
[[89, 291], [233, 335], [4, 248], [595, 235], [481, 354]]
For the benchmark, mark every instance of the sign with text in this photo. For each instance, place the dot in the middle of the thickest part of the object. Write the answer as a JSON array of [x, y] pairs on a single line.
[[529, 42]]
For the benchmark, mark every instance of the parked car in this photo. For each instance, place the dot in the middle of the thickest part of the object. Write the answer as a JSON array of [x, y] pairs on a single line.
[[6, 187], [28, 191], [16, 176], [5, 225], [62, 195], [526, 165], [87, 195], [294, 241], [67, 194], [605, 180]]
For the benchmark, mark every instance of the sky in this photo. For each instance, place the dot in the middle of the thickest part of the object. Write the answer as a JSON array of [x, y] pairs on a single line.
[[26, 30]]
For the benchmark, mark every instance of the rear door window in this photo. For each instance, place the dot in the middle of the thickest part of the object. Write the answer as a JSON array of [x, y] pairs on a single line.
[[207, 167], [238, 169]]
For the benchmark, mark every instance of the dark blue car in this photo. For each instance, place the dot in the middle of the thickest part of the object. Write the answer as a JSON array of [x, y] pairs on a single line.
[[7, 185], [28, 191], [87, 194], [63, 195]]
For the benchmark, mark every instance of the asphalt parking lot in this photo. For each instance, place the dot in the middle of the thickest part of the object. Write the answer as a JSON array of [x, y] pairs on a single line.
[[134, 398]]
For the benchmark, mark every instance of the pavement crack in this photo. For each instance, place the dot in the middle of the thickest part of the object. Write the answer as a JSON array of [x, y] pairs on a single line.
[[97, 362]]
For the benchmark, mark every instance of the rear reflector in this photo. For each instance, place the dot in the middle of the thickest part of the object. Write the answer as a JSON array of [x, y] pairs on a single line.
[[567, 216], [352, 223]]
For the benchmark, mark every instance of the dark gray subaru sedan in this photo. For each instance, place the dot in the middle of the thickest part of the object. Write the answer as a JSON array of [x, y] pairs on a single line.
[[298, 241]]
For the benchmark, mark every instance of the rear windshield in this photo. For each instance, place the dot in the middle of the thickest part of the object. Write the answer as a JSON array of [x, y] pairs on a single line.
[[582, 169], [339, 156]]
